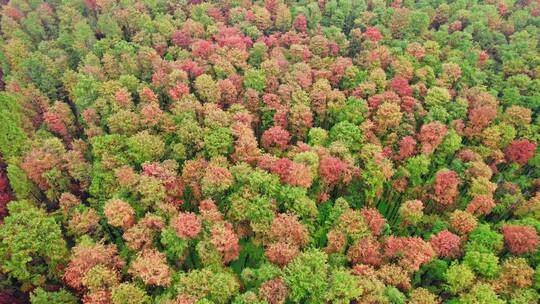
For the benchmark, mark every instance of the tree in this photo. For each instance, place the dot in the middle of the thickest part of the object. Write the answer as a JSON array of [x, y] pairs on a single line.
[[207, 88], [40, 296], [307, 277], [458, 277], [255, 79], [31, 245]]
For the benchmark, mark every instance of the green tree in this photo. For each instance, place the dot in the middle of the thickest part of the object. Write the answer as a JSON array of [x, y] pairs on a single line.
[[31, 245], [307, 277], [40, 296]]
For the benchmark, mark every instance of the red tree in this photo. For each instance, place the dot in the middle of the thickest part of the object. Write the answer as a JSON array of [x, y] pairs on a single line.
[[520, 151], [446, 244], [520, 239]]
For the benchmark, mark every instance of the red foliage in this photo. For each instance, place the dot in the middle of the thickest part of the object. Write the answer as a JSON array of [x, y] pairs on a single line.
[[376, 100], [446, 187], [481, 205], [119, 213], [5, 191], [446, 244], [245, 147], [300, 23], [202, 48], [38, 162], [520, 239], [191, 67], [401, 86], [166, 173], [407, 148], [225, 241], [431, 135], [123, 98], [232, 38], [365, 251], [151, 266], [338, 69], [274, 291], [373, 34], [455, 26], [280, 117], [286, 228], [209, 211], [416, 50], [227, 90], [520, 151], [275, 136], [332, 170], [483, 57], [336, 242], [179, 90], [148, 96], [374, 219], [126, 176], [480, 117], [59, 119], [97, 297], [281, 253], [411, 252], [151, 114], [91, 4], [290, 172], [181, 39], [187, 225], [85, 257], [192, 173]]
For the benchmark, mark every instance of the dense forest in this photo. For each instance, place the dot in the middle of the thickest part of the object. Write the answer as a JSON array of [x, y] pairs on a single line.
[[270, 152]]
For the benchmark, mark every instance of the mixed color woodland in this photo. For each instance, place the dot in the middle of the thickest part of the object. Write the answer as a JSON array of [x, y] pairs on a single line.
[[270, 152]]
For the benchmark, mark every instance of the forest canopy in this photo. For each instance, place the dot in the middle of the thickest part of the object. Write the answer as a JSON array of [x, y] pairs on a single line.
[[270, 152]]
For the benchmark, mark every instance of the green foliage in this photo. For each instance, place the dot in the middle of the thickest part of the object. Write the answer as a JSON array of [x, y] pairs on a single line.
[[536, 278], [13, 139], [217, 286], [459, 277], [347, 133], [127, 293], [484, 239], [481, 294], [317, 137], [394, 296], [485, 264], [31, 245], [175, 247], [41, 71], [40, 296], [524, 296], [257, 54], [432, 273], [417, 167], [343, 287], [145, 147], [296, 201], [255, 79], [207, 88], [247, 298], [353, 111], [254, 277], [437, 96], [307, 277], [218, 141]]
